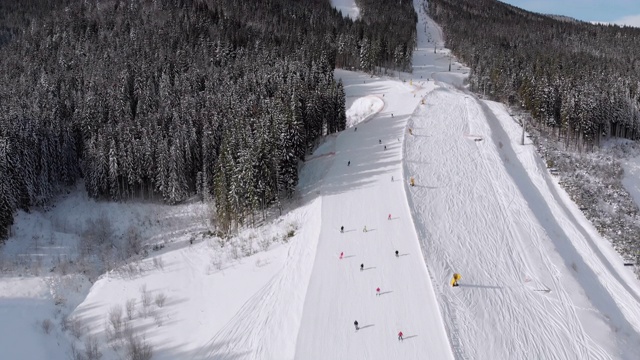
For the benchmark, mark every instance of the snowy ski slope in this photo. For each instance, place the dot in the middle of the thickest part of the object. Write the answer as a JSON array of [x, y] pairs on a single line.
[[538, 282], [356, 196]]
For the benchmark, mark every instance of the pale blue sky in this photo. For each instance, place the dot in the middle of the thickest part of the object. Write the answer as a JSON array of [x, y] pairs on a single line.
[[611, 11]]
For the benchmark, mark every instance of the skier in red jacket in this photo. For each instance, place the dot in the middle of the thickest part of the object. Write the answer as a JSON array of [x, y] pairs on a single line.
[[400, 336]]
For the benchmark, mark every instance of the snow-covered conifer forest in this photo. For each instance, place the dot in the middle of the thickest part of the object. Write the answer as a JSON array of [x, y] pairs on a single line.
[[164, 99]]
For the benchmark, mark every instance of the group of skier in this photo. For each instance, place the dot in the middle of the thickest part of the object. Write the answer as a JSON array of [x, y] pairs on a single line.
[[454, 280], [378, 293], [379, 142]]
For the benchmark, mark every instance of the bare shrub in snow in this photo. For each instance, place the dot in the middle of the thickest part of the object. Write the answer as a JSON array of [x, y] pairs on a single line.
[[247, 248], [91, 349], [103, 229], [265, 243], [138, 349], [235, 252], [46, 326], [115, 320], [74, 325], [62, 266], [133, 241], [158, 263], [216, 261], [108, 258], [98, 231], [291, 233], [132, 270], [157, 318], [145, 299], [130, 308], [160, 299]]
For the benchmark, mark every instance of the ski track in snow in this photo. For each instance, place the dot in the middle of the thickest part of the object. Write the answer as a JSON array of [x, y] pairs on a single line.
[[499, 230], [244, 336]]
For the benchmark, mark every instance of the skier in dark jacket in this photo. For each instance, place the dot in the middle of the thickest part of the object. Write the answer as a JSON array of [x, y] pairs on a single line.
[[341, 229], [356, 324], [361, 267], [397, 253]]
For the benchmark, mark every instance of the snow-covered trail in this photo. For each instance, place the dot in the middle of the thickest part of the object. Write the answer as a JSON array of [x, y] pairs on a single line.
[[479, 213], [358, 195]]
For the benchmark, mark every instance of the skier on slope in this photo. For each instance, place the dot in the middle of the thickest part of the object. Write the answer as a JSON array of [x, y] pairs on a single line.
[[454, 280], [341, 254], [341, 229], [364, 229], [397, 253], [400, 338], [379, 141], [378, 292], [356, 325], [361, 267], [349, 163], [389, 217]]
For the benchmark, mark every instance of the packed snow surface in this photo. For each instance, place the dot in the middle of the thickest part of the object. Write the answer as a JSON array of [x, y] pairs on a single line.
[[538, 282]]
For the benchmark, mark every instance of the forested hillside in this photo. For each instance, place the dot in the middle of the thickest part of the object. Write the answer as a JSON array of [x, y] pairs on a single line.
[[166, 99], [577, 78]]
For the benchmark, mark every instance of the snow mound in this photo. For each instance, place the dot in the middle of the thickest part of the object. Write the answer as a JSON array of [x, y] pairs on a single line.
[[363, 108]]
